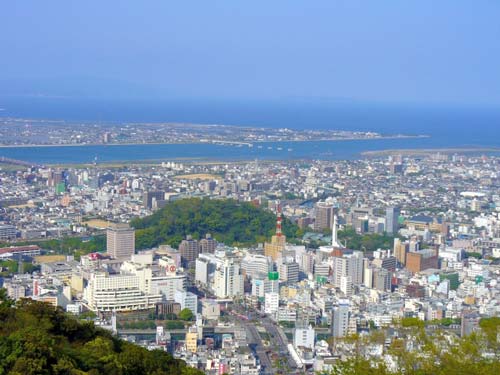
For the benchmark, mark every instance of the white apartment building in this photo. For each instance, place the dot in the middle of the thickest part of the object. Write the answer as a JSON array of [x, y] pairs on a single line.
[[228, 280]]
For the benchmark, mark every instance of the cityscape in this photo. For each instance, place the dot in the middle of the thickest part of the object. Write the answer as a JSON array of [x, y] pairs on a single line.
[[250, 187], [370, 243]]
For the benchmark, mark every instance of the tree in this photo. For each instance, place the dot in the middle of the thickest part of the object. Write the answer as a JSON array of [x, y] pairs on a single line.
[[229, 221], [36, 338], [186, 314]]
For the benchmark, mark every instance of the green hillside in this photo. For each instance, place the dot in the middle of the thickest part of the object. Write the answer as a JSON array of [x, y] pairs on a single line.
[[229, 221], [36, 338]]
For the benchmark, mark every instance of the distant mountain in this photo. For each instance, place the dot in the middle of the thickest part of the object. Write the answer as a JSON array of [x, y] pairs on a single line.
[[228, 221], [36, 338]]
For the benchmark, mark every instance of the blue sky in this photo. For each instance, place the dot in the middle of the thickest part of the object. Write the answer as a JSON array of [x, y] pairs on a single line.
[[429, 51]]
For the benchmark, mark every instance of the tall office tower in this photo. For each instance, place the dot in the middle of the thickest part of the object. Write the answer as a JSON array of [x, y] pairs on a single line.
[[348, 265], [228, 280], [120, 241], [324, 216], [189, 249], [392, 220], [208, 244], [274, 248], [400, 250], [340, 319], [151, 196]]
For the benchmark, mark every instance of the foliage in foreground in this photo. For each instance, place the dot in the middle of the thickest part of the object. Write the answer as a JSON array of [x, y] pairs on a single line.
[[436, 354], [36, 338], [228, 221]]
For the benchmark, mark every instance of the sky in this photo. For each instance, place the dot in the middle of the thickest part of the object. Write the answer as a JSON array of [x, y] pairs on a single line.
[[424, 51]]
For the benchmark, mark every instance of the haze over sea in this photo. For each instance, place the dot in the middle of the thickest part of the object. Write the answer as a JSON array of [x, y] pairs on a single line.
[[447, 127]]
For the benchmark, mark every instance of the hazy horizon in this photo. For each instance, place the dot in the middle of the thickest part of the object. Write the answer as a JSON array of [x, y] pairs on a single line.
[[426, 52]]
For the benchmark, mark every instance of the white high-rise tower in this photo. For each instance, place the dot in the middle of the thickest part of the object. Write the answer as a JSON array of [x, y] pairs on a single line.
[[335, 242]]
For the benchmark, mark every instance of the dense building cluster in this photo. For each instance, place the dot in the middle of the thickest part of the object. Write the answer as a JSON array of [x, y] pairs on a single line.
[[440, 212]]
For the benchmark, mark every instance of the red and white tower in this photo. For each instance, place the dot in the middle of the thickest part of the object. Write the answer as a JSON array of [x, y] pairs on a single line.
[[278, 219]]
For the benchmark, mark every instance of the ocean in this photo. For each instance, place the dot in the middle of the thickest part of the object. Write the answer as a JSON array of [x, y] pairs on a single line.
[[446, 126]]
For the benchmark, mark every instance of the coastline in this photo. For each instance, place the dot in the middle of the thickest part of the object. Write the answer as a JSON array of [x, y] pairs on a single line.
[[217, 142]]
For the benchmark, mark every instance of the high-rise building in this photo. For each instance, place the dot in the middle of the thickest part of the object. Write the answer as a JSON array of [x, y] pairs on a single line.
[[340, 319], [189, 249], [323, 216], [400, 250], [208, 244], [348, 265], [228, 280], [274, 248], [392, 220], [120, 241], [346, 285], [368, 275], [202, 270]]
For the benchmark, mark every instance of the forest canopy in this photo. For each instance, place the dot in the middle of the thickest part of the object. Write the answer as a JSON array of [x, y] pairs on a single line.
[[228, 221]]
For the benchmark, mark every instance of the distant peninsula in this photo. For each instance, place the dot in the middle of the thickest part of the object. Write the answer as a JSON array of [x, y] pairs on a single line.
[[38, 133]]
